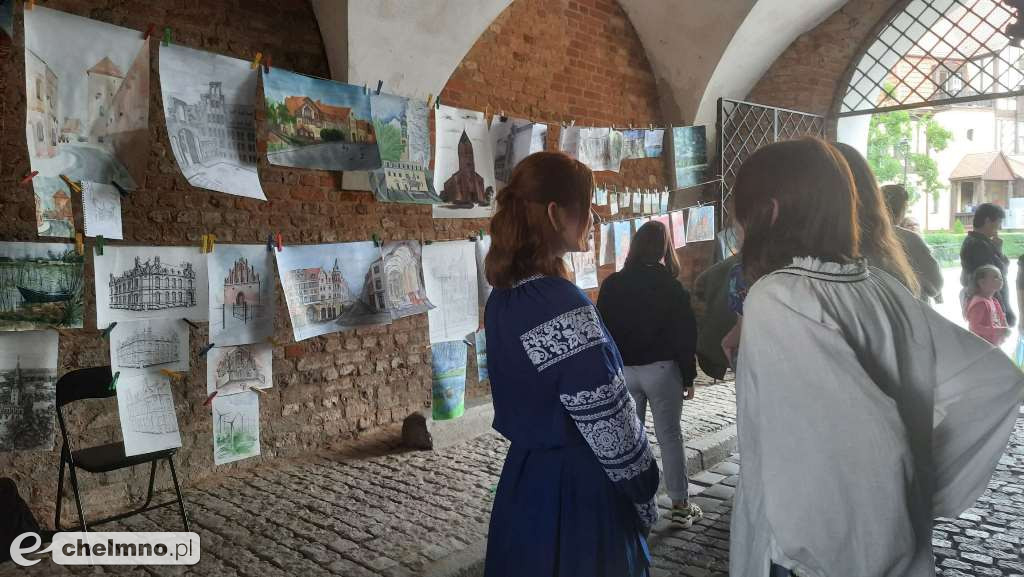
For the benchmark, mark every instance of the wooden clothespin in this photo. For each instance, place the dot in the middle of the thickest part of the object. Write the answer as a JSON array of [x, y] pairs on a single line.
[[206, 242], [256, 61], [430, 100], [380, 84], [257, 390], [105, 333], [167, 36], [273, 342], [173, 375], [206, 349], [190, 323], [28, 177], [210, 398], [98, 244], [79, 244], [151, 30], [74, 186], [113, 381]]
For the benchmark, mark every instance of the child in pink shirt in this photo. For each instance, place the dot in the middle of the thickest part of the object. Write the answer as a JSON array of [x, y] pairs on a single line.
[[983, 312]]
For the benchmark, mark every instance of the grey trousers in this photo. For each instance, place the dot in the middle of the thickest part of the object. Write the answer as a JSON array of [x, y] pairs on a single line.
[[662, 384]]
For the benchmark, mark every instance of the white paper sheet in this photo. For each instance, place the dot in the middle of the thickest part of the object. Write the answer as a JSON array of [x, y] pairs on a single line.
[[483, 246], [145, 405], [512, 140], [28, 372], [233, 370], [101, 210], [147, 282], [242, 300], [449, 269], [701, 224], [586, 269], [464, 167], [139, 347], [236, 427]]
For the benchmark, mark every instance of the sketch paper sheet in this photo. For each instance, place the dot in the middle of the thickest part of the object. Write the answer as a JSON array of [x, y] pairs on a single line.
[[139, 347], [101, 210], [40, 286], [586, 269], [28, 372], [654, 140], [483, 246], [87, 83], [234, 370], [242, 300], [594, 148], [150, 282], [689, 144], [512, 140], [569, 141], [317, 123], [678, 229], [449, 379], [481, 356], [325, 286], [613, 203], [236, 427], [701, 224], [401, 273], [210, 103], [449, 269], [145, 405], [402, 128], [607, 251], [633, 144], [464, 167], [623, 236]]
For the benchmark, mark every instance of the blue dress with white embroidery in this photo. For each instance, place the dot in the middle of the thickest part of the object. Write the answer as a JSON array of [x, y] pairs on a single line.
[[576, 492]]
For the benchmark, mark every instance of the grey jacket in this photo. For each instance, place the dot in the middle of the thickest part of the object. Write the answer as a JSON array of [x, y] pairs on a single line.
[[927, 270]]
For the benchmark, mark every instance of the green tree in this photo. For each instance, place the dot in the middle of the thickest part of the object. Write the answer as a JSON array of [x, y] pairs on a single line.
[[889, 136]]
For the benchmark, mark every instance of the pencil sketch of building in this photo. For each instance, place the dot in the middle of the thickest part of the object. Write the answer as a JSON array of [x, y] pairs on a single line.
[[322, 294], [146, 348], [505, 158], [242, 292], [152, 285], [238, 368], [211, 130], [149, 409], [394, 282]]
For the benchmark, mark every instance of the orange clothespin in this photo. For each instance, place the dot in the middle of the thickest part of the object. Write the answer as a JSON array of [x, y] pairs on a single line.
[[28, 177], [256, 61], [173, 375], [279, 241], [74, 186], [79, 243]]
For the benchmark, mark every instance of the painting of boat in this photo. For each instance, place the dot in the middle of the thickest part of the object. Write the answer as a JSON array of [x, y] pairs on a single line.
[[34, 296]]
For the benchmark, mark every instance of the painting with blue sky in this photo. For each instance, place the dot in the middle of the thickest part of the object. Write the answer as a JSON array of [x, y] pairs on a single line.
[[317, 123], [332, 287], [402, 129]]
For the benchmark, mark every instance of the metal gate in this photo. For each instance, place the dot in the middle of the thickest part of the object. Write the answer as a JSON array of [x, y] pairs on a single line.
[[743, 127]]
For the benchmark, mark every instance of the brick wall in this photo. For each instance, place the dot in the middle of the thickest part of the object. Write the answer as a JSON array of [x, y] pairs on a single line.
[[543, 59]]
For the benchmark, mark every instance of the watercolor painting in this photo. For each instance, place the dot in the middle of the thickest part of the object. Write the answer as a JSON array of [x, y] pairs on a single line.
[[480, 341], [633, 144], [678, 219], [402, 127], [623, 236], [236, 427], [464, 167], [87, 112], [40, 286], [138, 347], [449, 379], [210, 107], [145, 405], [332, 287], [701, 224], [585, 266], [654, 140], [149, 282], [233, 370], [690, 147], [28, 399], [569, 141], [318, 124], [242, 300]]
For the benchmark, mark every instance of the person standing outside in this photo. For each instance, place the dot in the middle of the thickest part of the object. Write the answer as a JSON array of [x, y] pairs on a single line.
[[983, 246], [925, 267], [648, 313]]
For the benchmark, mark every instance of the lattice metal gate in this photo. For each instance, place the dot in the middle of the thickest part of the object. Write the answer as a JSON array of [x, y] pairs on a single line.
[[743, 127]]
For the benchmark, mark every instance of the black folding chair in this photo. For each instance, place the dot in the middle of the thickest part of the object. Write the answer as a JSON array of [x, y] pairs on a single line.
[[94, 383]]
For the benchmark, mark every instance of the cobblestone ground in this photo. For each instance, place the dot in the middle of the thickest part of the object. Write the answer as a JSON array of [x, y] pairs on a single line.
[[985, 541], [396, 514]]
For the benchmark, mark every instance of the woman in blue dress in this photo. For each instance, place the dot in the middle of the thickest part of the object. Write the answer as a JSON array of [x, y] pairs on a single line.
[[576, 495]]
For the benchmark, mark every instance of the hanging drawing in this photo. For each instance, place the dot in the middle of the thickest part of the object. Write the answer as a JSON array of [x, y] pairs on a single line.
[[623, 235], [614, 150], [585, 266], [607, 253], [40, 286], [138, 347], [232, 370], [638, 202], [569, 141], [148, 282], [701, 224], [633, 144], [87, 112], [613, 203], [236, 427], [678, 219], [28, 372], [449, 379], [317, 123], [145, 406], [481, 356], [209, 102], [663, 199], [594, 148], [512, 140], [464, 167], [689, 144], [241, 289], [402, 129], [101, 210], [654, 140], [332, 287], [399, 272], [483, 246], [449, 269], [665, 220]]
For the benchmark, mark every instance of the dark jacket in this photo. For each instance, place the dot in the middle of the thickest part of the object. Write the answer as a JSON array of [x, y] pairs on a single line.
[[648, 313], [978, 250], [712, 289]]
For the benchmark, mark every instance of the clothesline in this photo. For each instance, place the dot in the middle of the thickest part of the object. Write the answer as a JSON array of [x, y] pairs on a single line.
[[634, 216]]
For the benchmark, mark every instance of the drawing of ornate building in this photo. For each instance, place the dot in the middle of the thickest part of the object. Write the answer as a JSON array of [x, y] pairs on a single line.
[[323, 294], [211, 129], [144, 348], [151, 285], [465, 187], [238, 367], [394, 283], [242, 290], [41, 106], [505, 154], [10, 396], [150, 409], [374, 294]]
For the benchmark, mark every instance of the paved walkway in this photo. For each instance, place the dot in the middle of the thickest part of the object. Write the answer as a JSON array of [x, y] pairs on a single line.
[[393, 514]]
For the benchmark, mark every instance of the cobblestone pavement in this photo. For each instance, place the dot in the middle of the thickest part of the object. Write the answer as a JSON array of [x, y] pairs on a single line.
[[985, 541], [396, 514]]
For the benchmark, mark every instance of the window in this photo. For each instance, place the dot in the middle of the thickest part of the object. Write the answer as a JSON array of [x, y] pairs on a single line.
[[966, 196], [970, 134]]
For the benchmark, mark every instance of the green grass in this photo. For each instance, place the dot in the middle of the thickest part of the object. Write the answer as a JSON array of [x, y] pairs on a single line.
[[946, 246]]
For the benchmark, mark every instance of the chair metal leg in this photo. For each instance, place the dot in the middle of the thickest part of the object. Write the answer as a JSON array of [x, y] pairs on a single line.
[[177, 489], [60, 490], [78, 497], [152, 478]]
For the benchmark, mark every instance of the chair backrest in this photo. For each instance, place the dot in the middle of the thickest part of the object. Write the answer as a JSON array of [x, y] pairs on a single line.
[[91, 383]]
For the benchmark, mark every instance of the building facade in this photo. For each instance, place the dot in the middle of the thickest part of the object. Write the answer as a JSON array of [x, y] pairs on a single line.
[[211, 130], [144, 348], [465, 187], [41, 107], [152, 285], [323, 294], [150, 409], [242, 294], [239, 368]]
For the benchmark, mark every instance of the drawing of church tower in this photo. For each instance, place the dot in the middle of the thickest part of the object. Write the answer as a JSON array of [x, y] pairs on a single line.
[[465, 188]]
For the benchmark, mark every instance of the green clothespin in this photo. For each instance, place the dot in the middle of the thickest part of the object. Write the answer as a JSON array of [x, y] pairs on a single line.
[[167, 36], [99, 245], [113, 381], [106, 332], [376, 239]]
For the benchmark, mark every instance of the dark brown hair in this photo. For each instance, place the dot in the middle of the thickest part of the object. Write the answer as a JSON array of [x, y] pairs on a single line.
[[523, 241], [652, 244], [878, 241], [817, 206], [896, 199]]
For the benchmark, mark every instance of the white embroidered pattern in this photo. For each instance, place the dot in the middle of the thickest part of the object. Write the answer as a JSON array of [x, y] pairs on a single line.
[[563, 337], [532, 278], [648, 513]]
